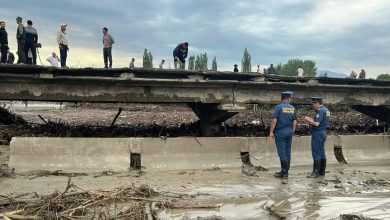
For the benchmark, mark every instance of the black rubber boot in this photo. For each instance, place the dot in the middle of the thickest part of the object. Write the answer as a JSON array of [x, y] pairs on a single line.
[[278, 174], [287, 168], [316, 168], [284, 173], [322, 169]]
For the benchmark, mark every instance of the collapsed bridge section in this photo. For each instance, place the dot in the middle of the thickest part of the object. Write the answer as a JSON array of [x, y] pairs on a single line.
[[213, 96]]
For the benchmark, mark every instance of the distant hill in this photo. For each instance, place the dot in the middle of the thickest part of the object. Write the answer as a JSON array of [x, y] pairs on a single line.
[[331, 74]]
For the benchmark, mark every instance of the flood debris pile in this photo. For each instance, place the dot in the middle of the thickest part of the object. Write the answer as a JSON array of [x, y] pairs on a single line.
[[11, 125], [7, 117], [125, 202], [256, 123], [164, 122], [6, 171]]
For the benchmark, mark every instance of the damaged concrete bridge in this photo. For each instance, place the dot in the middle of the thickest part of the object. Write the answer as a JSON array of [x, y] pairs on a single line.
[[213, 96]]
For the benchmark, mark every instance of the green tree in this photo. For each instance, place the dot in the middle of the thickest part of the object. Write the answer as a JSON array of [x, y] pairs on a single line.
[[201, 62], [290, 68], [246, 65], [214, 65], [383, 77], [191, 63], [147, 59], [150, 60], [279, 68]]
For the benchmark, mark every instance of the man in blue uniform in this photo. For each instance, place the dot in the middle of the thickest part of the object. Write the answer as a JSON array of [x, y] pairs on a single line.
[[319, 125], [284, 121]]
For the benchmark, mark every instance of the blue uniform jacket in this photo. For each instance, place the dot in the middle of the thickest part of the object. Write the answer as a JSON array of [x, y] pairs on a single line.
[[285, 114], [322, 116]]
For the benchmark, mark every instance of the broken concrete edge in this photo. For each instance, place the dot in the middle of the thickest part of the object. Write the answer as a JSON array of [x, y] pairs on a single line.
[[90, 155]]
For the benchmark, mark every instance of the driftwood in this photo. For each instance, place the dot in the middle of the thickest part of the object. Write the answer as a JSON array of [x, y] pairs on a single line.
[[76, 202], [354, 217], [273, 212]]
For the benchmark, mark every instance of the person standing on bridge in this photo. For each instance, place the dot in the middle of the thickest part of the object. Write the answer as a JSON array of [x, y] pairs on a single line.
[[62, 40], [283, 125], [319, 125], [108, 41], [21, 37], [31, 42], [180, 55], [3, 42], [362, 74], [235, 68], [271, 70], [300, 71]]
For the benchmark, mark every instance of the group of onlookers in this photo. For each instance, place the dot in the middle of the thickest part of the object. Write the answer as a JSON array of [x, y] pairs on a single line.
[[362, 74], [27, 39]]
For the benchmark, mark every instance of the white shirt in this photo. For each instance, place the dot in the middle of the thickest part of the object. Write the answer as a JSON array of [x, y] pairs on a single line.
[[300, 72], [62, 38], [131, 64], [53, 61]]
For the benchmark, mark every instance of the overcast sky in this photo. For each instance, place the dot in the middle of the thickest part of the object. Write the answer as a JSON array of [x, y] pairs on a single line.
[[340, 35]]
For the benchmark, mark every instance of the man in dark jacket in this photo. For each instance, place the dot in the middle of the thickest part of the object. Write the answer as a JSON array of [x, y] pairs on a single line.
[[3, 42], [21, 37], [31, 41], [180, 55], [271, 70]]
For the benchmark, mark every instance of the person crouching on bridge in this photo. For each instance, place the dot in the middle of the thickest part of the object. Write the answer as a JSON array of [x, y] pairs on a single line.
[[284, 122], [318, 136], [180, 55]]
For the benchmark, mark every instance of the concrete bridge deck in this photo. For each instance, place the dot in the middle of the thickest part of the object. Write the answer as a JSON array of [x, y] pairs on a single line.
[[214, 96], [34, 83]]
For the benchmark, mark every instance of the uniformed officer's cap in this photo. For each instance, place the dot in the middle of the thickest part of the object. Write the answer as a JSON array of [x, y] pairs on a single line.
[[316, 99], [287, 94]]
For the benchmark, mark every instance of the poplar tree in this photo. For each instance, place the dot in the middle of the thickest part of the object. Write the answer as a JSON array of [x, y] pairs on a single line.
[[201, 62], [191, 63], [147, 59], [246, 65], [214, 65]]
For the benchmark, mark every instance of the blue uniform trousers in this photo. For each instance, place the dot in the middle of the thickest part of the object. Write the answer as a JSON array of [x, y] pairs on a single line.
[[318, 139], [283, 139]]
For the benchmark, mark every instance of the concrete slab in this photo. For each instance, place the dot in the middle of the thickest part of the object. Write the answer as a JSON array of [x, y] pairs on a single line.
[[69, 154], [100, 154]]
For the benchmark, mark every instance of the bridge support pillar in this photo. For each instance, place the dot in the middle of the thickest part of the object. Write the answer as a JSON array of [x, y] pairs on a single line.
[[211, 115], [381, 113]]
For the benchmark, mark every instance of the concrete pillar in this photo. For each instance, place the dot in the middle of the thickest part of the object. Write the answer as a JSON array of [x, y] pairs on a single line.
[[211, 115]]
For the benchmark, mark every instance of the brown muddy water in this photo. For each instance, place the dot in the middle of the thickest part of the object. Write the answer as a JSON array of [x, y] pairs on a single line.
[[361, 188]]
